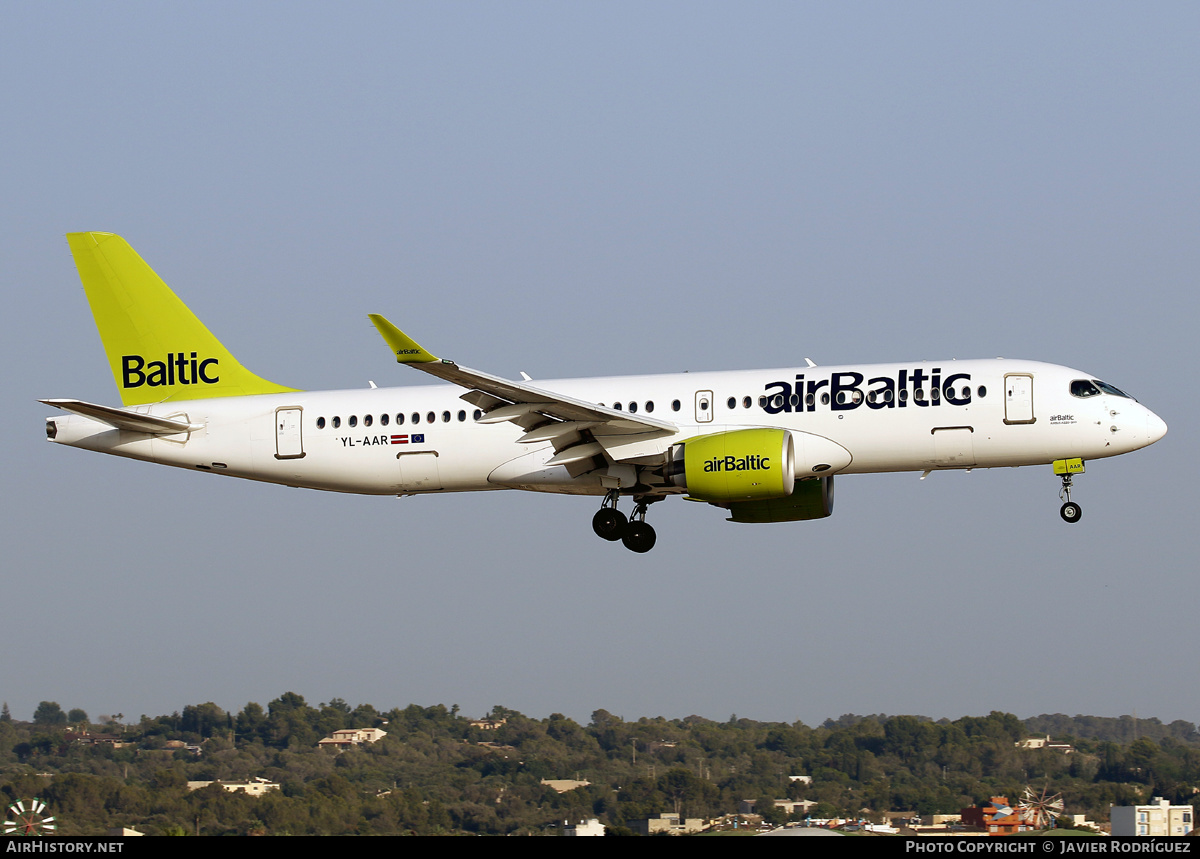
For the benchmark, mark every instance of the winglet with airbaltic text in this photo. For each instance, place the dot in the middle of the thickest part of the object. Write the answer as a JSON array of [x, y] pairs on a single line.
[[406, 350]]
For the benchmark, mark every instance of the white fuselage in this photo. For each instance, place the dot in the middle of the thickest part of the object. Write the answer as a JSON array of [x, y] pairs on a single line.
[[915, 416]]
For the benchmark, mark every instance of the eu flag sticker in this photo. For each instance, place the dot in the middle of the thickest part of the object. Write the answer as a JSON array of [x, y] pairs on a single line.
[[418, 438]]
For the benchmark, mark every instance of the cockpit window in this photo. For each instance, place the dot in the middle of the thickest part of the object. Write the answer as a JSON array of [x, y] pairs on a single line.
[[1109, 389], [1084, 388]]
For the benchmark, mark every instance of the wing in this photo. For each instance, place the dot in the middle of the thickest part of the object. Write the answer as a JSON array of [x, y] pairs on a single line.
[[585, 436]]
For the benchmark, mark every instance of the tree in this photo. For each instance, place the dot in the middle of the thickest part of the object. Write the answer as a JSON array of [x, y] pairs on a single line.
[[49, 713], [5, 716], [77, 716]]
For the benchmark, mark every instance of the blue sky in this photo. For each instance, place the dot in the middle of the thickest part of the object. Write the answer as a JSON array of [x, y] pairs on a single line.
[[594, 189]]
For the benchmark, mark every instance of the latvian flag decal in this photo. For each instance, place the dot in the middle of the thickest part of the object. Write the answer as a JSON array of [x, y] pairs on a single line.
[[415, 438]]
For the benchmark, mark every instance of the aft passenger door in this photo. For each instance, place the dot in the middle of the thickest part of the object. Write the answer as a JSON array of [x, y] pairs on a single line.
[[289, 433]]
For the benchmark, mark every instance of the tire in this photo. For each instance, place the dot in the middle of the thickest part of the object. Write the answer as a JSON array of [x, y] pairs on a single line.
[[1071, 512], [639, 537], [609, 524]]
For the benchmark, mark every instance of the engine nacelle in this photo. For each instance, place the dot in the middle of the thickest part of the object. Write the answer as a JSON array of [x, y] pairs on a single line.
[[811, 499], [740, 465]]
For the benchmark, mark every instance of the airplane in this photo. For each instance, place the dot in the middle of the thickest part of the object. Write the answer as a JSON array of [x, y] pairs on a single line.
[[765, 445]]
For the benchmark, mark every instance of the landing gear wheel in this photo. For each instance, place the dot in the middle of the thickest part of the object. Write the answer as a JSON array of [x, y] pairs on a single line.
[[609, 523], [639, 537], [1071, 512]]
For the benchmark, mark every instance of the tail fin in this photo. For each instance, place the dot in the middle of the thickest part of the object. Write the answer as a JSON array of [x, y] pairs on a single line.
[[158, 350]]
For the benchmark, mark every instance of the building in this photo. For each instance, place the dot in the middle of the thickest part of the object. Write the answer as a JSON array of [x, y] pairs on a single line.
[[669, 823], [562, 785], [1157, 818], [257, 787], [352, 737], [591, 826], [995, 818]]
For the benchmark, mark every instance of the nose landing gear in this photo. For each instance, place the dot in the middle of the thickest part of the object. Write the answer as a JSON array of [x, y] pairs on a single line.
[[635, 534], [1067, 468]]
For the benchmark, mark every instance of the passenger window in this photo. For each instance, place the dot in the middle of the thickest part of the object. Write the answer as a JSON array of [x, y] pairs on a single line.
[[649, 406], [675, 405], [762, 402], [383, 420], [416, 417], [935, 394], [337, 422], [445, 417], [632, 408], [478, 414], [353, 421], [431, 418], [919, 395], [982, 391], [746, 402], [824, 399], [462, 415], [320, 423], [368, 420], [731, 403], [616, 407], [399, 418]]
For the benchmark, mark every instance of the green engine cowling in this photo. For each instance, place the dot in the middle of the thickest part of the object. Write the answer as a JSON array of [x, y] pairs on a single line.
[[746, 465], [811, 499]]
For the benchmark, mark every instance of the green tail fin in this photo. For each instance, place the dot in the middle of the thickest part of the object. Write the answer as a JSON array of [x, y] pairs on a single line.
[[158, 350]]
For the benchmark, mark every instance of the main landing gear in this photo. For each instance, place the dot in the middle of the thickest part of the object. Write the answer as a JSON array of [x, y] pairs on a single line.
[[609, 523]]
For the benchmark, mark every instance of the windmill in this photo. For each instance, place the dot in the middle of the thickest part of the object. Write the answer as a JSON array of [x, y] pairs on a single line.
[[1037, 811]]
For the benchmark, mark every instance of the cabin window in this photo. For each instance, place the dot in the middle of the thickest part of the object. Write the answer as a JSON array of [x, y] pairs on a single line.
[[675, 406], [616, 407], [353, 421], [632, 408], [747, 402], [431, 418], [462, 415], [919, 395], [399, 418], [383, 420], [416, 417], [368, 420], [762, 401], [649, 405], [337, 422], [445, 417], [731, 402], [903, 395], [320, 423], [935, 394], [478, 414], [825, 399], [982, 391]]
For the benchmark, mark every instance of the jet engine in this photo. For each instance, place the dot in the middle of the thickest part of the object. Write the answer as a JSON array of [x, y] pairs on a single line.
[[740, 465]]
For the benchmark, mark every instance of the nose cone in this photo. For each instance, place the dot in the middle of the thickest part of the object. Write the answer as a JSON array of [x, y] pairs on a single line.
[[1156, 427]]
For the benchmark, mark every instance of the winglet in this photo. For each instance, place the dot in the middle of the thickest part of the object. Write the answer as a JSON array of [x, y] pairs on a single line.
[[406, 350]]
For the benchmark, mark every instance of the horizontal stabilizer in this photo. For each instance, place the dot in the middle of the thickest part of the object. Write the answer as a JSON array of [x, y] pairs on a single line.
[[124, 419]]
